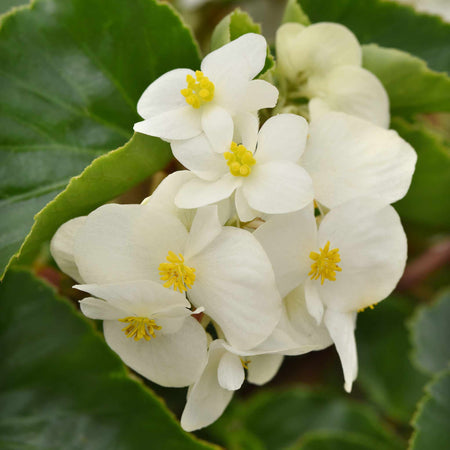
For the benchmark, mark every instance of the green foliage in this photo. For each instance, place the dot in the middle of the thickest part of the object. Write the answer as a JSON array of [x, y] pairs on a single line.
[[6, 5], [71, 74], [293, 13], [431, 420], [63, 388], [386, 373], [430, 334], [388, 24], [411, 85], [427, 202]]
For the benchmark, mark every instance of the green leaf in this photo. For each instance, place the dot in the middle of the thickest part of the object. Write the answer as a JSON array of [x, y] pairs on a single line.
[[431, 421], [411, 85], [234, 25], [386, 373], [293, 13], [388, 24], [430, 334], [6, 5], [281, 419], [335, 441], [427, 202], [106, 178], [71, 73], [63, 388]]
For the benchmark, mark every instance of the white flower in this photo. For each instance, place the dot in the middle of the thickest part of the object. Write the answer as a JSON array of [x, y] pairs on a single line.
[[352, 261], [182, 103], [322, 63], [266, 178], [223, 269], [224, 373], [150, 328]]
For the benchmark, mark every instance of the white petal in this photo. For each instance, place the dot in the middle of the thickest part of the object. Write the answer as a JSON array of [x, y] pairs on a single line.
[[62, 247], [258, 95], [355, 91], [282, 137], [263, 368], [197, 155], [164, 94], [235, 283], [230, 372], [126, 243], [342, 330], [278, 187], [95, 308], [348, 157], [181, 123], [372, 247], [171, 360], [205, 228], [218, 127], [243, 209], [246, 130], [206, 400], [288, 240], [197, 193], [313, 301]]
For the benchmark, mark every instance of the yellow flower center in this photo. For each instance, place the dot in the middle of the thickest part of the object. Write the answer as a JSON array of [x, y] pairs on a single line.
[[245, 363], [199, 90], [239, 160], [139, 327], [325, 264], [175, 273]]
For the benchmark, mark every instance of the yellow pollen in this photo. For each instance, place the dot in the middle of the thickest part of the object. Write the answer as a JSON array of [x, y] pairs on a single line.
[[175, 273], [363, 309], [245, 363], [139, 327], [239, 160], [199, 90], [325, 264]]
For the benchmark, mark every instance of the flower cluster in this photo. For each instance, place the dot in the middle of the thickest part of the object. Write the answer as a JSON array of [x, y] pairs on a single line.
[[272, 240]]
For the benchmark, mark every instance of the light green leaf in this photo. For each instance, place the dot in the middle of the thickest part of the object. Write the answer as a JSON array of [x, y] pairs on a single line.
[[293, 13], [431, 421], [63, 388], [427, 202], [386, 373], [411, 85], [234, 25], [389, 24], [71, 73], [430, 334], [6, 5]]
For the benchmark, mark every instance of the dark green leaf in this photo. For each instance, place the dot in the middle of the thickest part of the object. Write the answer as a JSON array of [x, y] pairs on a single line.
[[388, 24], [63, 388], [334, 441], [430, 333], [71, 73]]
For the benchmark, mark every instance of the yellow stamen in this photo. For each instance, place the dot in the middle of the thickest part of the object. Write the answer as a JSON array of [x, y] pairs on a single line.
[[245, 363], [325, 264], [139, 327], [239, 160], [363, 309], [175, 273], [199, 90]]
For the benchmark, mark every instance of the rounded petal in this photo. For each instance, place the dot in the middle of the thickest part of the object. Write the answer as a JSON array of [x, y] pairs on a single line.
[[97, 309], [262, 368], [206, 400], [243, 209], [282, 137], [356, 91], [171, 360], [126, 243], [372, 247], [181, 123], [278, 187], [235, 283], [197, 155], [313, 301], [348, 157], [246, 130], [164, 94], [62, 247], [218, 127], [258, 95], [230, 372], [197, 193], [288, 240]]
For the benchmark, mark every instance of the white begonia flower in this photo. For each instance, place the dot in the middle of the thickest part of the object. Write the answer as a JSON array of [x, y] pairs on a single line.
[[322, 62], [220, 97], [266, 177], [150, 328], [223, 269], [352, 261], [224, 373]]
